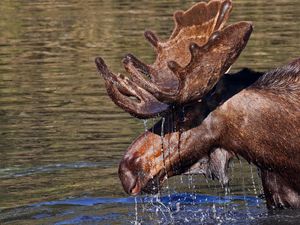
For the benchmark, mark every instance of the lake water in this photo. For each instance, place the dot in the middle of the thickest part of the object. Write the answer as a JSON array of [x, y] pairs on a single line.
[[61, 137]]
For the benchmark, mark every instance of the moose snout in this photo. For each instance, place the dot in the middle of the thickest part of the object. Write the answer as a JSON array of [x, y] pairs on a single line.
[[128, 179]]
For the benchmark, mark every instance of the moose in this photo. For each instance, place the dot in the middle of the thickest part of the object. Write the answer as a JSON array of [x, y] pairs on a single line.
[[208, 115]]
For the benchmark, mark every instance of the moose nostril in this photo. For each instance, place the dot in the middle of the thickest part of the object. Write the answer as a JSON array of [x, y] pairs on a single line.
[[128, 179], [131, 184], [135, 189], [131, 191]]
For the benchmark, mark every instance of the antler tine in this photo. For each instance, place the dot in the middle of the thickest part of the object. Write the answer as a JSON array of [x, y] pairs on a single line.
[[120, 88], [188, 64], [214, 14], [139, 73], [195, 25], [209, 62], [152, 38]]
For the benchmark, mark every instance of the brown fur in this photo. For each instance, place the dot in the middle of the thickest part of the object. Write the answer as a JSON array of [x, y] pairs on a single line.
[[146, 149], [258, 123]]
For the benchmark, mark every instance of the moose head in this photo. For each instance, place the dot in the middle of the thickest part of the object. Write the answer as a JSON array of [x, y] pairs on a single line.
[[199, 51], [184, 84]]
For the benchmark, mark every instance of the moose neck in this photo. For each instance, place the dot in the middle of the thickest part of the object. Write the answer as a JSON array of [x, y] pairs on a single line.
[[187, 120], [188, 116]]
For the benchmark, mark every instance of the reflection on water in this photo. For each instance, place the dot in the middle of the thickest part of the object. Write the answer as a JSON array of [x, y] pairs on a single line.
[[60, 135]]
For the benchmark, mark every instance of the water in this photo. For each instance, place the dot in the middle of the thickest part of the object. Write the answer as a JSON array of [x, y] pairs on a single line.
[[97, 209], [62, 138], [184, 208]]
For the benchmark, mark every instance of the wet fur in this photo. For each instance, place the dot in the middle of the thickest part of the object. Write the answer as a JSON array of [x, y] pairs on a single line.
[[181, 119], [261, 123]]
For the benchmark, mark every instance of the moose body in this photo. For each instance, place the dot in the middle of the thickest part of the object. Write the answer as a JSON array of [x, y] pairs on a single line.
[[260, 123], [180, 119], [208, 116]]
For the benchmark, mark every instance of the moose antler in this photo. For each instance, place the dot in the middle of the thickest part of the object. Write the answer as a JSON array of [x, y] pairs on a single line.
[[188, 65]]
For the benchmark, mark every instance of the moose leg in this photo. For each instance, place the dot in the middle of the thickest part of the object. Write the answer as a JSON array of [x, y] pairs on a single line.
[[278, 192]]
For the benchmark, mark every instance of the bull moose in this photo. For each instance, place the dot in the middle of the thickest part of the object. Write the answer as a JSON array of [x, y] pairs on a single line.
[[207, 114]]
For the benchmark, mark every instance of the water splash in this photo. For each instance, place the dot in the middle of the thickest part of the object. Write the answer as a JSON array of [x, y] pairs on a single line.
[[136, 222], [244, 191], [145, 122], [254, 185], [162, 134], [177, 208]]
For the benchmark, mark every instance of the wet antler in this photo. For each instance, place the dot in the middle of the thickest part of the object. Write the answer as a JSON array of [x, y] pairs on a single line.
[[188, 65]]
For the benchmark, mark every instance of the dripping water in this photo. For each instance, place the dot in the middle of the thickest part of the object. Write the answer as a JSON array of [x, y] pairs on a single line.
[[226, 194], [244, 192], [145, 122], [161, 210], [164, 160], [192, 191], [163, 120], [230, 191], [254, 186], [181, 117], [136, 222]]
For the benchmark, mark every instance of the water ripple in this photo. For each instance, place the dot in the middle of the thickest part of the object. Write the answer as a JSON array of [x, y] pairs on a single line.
[[21, 172]]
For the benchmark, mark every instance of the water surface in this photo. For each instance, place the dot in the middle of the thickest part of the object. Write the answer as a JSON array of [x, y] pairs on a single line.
[[62, 137]]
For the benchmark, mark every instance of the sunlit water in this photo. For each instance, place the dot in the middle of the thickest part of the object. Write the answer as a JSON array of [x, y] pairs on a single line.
[[61, 137]]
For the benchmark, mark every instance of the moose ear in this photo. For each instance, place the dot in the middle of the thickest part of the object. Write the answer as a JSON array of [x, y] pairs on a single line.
[[211, 61]]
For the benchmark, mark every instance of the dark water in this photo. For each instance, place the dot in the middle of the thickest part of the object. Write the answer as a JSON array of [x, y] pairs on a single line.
[[61, 137]]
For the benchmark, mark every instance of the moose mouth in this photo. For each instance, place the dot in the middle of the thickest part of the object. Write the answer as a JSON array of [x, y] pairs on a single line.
[[155, 184], [152, 186], [136, 182]]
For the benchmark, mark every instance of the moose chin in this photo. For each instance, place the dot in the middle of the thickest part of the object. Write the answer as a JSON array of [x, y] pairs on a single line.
[[209, 116]]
